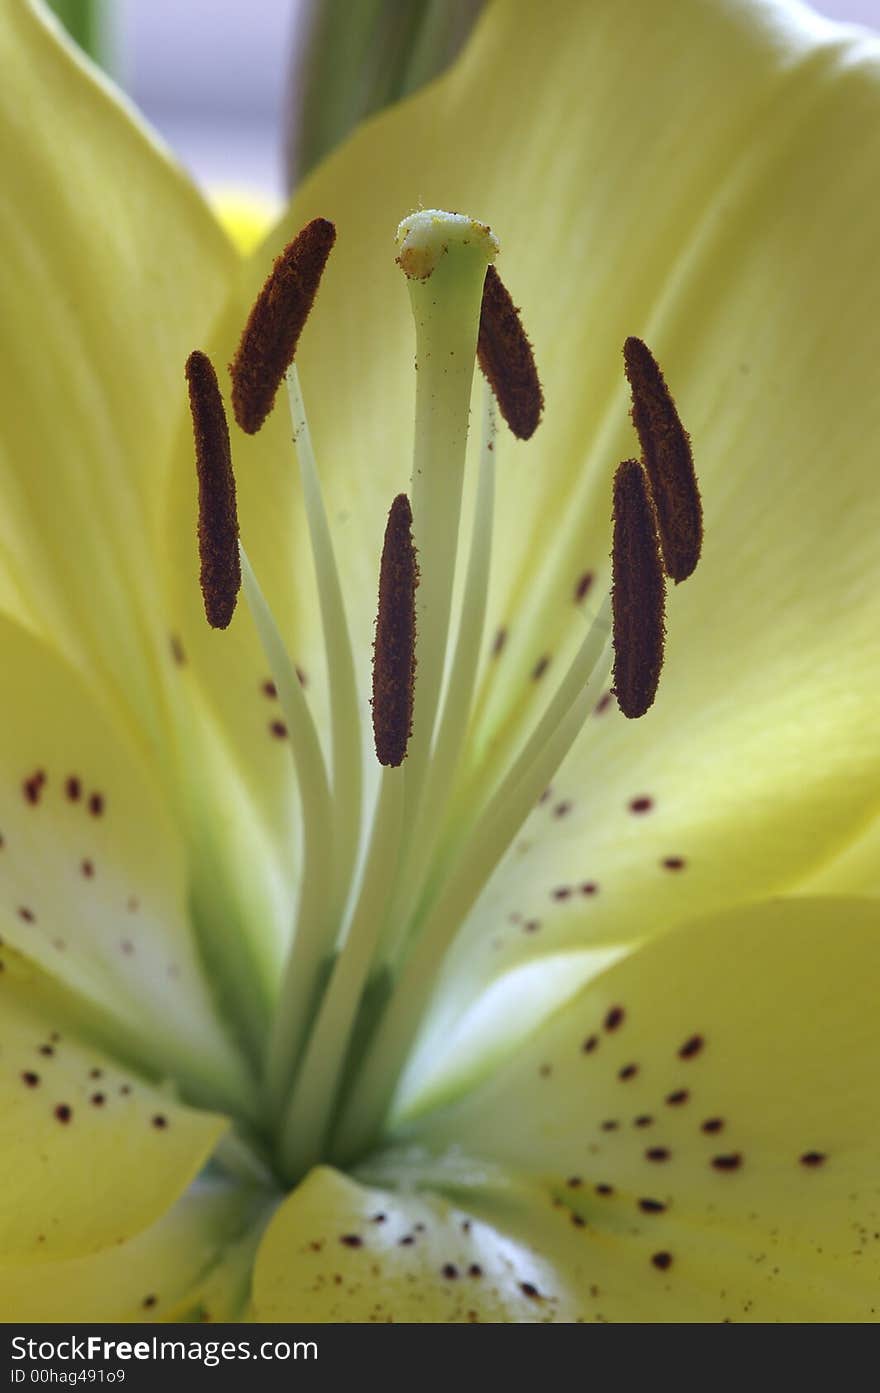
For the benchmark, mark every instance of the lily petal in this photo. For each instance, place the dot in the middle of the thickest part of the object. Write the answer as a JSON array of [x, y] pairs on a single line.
[[70, 1113], [711, 1098], [100, 905], [340, 1251], [113, 271], [112, 268], [162, 1273]]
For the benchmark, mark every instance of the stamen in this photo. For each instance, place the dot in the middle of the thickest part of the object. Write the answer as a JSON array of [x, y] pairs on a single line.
[[345, 718], [488, 839], [220, 573], [425, 827], [505, 356], [638, 593], [666, 450], [271, 334], [394, 650]]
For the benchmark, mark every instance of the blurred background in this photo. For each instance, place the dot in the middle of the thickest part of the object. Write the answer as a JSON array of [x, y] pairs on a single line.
[[225, 81]]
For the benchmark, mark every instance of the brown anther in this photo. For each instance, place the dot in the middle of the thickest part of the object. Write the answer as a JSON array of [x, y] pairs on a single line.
[[666, 454], [394, 649], [638, 593], [220, 575], [271, 334], [506, 359]]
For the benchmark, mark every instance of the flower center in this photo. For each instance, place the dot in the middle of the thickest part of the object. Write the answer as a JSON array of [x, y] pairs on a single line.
[[406, 866]]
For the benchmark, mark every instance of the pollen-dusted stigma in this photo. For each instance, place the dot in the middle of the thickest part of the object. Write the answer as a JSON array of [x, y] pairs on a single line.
[[391, 866]]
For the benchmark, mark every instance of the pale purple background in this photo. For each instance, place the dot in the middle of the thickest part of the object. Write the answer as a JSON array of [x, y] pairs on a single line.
[[211, 75]]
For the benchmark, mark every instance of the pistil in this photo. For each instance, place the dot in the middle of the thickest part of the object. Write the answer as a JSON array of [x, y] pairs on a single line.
[[444, 257]]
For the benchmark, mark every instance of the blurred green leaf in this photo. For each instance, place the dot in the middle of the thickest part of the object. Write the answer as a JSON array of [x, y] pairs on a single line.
[[359, 56], [87, 22]]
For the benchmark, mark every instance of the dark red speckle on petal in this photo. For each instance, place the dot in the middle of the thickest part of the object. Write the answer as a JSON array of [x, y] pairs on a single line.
[[540, 668], [64, 1112], [691, 1047], [32, 787], [729, 1162], [811, 1159], [675, 1099], [160, 1121], [673, 863], [628, 1071], [712, 1124], [662, 1260], [96, 804], [614, 1018], [642, 804], [582, 589], [351, 1240]]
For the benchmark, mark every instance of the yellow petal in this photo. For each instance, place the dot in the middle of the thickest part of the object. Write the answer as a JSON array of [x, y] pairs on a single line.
[[340, 1251], [725, 1075], [113, 269], [93, 884], [70, 1114], [163, 1273]]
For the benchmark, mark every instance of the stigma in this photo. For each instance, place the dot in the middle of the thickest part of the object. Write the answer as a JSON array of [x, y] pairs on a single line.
[[394, 857]]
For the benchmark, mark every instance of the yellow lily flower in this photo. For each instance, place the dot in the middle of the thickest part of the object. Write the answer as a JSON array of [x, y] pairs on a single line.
[[636, 1079]]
